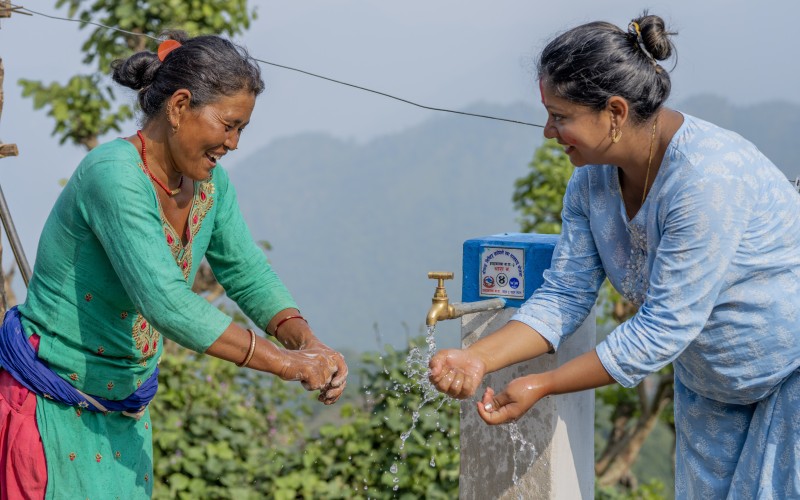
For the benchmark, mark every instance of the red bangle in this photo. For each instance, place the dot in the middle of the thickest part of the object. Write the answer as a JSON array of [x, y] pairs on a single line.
[[284, 320]]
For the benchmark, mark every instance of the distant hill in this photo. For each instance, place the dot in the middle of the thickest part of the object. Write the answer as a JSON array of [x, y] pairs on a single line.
[[356, 227]]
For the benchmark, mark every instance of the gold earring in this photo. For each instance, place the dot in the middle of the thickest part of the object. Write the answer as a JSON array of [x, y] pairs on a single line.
[[616, 135], [169, 119]]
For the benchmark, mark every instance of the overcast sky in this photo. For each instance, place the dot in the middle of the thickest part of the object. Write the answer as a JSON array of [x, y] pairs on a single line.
[[440, 53]]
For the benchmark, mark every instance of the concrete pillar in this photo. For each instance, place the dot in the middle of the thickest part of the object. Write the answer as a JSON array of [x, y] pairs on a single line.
[[549, 452]]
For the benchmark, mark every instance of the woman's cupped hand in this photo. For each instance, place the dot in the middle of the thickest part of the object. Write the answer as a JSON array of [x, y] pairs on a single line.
[[456, 372], [518, 397]]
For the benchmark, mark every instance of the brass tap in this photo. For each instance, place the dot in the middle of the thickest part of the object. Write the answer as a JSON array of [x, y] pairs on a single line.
[[440, 307]]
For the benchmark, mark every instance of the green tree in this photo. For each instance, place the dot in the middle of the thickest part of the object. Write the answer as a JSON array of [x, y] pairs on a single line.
[[538, 196], [84, 109]]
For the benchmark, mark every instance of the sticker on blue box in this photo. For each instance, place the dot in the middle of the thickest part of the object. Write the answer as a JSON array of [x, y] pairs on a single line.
[[502, 272]]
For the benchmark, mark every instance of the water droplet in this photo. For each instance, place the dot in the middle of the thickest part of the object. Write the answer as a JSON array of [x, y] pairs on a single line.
[[393, 469]]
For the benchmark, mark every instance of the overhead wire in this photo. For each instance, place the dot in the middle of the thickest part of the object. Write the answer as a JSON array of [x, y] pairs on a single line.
[[25, 10], [395, 97]]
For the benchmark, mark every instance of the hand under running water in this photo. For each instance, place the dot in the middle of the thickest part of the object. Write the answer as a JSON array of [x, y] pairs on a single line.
[[456, 372], [518, 397]]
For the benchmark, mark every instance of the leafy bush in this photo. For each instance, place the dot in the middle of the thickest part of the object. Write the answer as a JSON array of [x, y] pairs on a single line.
[[215, 427], [223, 432]]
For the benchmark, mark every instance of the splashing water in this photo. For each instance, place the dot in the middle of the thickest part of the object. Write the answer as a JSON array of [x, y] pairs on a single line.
[[519, 445], [417, 371]]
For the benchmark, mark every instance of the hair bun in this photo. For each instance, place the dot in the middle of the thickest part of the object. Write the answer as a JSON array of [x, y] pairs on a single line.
[[654, 36], [137, 71]]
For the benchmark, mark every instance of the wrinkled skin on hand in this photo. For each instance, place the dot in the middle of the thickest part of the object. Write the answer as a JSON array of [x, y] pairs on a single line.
[[456, 372], [518, 397], [318, 367]]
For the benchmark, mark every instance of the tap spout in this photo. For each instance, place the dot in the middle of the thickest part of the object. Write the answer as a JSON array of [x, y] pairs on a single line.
[[439, 312]]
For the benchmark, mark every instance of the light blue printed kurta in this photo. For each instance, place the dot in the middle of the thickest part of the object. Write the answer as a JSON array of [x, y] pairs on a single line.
[[713, 261]]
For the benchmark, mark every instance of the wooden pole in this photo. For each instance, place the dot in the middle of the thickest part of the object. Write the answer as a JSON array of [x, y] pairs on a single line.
[[4, 151], [5, 215]]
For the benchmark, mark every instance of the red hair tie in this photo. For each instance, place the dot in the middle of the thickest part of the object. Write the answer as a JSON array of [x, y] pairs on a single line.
[[166, 47]]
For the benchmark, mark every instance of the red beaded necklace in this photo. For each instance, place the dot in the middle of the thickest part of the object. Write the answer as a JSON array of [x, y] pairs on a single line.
[[170, 192]]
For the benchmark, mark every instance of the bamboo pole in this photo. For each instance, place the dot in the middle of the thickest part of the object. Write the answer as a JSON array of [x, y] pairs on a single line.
[[13, 239]]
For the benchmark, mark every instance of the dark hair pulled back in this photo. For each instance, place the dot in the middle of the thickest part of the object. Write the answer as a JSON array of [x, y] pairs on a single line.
[[593, 62], [209, 66]]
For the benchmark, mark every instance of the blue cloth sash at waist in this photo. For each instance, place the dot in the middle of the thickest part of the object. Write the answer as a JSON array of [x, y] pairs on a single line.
[[18, 357]]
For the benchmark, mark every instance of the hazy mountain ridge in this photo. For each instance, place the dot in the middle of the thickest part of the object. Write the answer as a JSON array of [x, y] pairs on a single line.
[[772, 126], [356, 227]]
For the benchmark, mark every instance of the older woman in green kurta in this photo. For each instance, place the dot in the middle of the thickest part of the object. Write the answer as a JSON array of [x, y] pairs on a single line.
[[113, 277]]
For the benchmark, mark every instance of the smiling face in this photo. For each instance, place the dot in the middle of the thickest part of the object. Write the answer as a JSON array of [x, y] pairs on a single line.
[[583, 131], [207, 133]]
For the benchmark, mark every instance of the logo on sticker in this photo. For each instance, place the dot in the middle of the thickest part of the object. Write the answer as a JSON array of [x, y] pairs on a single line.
[[488, 282]]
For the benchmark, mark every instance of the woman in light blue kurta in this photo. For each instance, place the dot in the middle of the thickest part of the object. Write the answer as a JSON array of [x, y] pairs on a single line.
[[691, 223]]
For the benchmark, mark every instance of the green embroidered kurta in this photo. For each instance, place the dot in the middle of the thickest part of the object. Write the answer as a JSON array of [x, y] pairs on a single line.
[[111, 277]]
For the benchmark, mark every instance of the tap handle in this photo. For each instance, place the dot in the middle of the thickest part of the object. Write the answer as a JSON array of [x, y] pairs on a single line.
[[440, 295], [441, 276]]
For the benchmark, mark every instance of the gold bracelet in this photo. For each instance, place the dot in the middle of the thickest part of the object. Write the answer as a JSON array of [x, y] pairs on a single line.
[[250, 351]]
